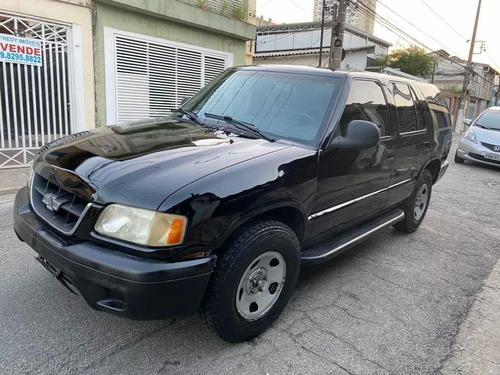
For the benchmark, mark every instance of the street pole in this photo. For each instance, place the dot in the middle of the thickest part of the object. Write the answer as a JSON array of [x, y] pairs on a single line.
[[337, 42], [497, 95], [468, 71], [322, 30]]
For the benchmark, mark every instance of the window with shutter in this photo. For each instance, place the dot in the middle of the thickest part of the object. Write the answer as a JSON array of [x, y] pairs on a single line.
[[148, 77]]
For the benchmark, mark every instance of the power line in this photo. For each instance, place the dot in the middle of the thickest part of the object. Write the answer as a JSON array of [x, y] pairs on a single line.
[[423, 32], [370, 13], [493, 61], [298, 6], [442, 19]]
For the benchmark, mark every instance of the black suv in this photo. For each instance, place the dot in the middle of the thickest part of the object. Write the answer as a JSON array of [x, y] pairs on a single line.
[[215, 208]]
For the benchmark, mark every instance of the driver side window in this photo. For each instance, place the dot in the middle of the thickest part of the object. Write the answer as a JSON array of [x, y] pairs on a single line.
[[366, 102]]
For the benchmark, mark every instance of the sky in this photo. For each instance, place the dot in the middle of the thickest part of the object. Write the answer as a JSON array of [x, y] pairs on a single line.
[[459, 14]]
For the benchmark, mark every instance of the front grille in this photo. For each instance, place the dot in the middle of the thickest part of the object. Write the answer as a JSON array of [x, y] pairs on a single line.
[[56, 206], [482, 158], [491, 147]]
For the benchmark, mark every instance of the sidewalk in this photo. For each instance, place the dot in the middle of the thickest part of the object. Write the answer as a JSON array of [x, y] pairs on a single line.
[[477, 346], [12, 179]]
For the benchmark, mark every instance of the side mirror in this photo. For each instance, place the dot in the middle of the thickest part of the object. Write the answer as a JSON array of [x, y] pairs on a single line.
[[467, 122], [184, 100], [359, 134]]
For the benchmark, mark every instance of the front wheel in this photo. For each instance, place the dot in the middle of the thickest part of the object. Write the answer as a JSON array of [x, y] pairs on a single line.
[[416, 205], [253, 281]]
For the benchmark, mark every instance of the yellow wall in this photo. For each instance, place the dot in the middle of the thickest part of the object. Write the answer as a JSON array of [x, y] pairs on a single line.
[[70, 12]]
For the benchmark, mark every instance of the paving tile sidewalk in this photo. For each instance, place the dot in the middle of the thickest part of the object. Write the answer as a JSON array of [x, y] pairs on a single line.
[[12, 179]]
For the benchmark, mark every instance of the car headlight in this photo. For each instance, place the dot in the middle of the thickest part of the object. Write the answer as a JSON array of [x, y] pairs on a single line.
[[140, 226], [471, 136]]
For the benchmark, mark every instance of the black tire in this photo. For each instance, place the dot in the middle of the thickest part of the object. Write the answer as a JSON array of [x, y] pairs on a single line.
[[409, 224], [219, 309], [458, 159]]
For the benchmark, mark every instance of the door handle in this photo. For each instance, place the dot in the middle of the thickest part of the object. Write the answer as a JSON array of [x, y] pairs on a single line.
[[427, 146], [391, 153]]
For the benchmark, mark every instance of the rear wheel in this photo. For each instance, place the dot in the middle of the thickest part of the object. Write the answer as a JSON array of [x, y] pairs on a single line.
[[458, 159], [253, 281], [416, 205]]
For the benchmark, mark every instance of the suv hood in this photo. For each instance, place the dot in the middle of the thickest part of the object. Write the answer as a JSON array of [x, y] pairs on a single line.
[[142, 163]]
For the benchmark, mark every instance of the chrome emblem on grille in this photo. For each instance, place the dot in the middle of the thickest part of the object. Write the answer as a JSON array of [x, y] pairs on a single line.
[[54, 201], [496, 148]]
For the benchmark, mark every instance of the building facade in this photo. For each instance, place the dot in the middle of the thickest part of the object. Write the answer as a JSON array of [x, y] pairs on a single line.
[[299, 44], [449, 75], [102, 62], [354, 17]]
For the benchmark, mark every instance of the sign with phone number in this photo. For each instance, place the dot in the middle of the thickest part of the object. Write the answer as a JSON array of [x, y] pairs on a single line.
[[20, 50]]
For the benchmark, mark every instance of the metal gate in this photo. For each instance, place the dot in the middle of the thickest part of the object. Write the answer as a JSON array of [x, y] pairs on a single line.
[[34, 100]]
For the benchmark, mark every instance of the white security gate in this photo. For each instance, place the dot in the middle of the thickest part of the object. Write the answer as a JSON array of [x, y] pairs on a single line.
[[34, 90], [148, 77]]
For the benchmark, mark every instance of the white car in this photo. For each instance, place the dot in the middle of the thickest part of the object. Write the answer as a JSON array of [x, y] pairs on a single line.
[[481, 142]]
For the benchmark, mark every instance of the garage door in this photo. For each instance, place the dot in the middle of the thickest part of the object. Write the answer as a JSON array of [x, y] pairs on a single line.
[[149, 77]]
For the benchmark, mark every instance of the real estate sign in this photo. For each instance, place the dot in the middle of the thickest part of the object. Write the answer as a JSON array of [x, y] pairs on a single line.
[[18, 50]]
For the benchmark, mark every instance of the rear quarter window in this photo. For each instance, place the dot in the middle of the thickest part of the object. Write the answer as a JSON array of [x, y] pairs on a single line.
[[438, 106]]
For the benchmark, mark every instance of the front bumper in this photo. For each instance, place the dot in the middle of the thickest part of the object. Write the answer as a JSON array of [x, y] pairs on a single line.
[[474, 152], [112, 281]]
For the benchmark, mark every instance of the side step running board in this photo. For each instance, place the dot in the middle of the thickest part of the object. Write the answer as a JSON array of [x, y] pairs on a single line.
[[336, 245]]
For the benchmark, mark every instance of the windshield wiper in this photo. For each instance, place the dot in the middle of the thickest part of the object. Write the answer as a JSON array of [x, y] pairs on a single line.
[[190, 115], [241, 125]]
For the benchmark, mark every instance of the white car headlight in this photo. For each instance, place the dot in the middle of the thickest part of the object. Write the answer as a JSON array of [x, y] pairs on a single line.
[[140, 226], [471, 136]]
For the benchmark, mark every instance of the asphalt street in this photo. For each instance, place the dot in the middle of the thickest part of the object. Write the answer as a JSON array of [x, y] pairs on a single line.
[[392, 305]]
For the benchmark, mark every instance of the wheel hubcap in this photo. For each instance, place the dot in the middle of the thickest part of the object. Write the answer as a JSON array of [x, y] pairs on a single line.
[[421, 200], [261, 285]]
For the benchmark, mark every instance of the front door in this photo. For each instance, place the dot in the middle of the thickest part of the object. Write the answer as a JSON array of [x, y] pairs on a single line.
[[352, 184]]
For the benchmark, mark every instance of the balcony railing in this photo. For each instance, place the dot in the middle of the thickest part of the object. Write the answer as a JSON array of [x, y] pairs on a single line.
[[237, 9]]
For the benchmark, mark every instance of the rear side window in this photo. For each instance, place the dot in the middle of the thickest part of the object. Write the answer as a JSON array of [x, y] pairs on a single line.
[[437, 105], [366, 102], [405, 107]]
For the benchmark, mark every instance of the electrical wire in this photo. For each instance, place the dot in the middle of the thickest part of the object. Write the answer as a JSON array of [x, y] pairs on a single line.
[[410, 23], [493, 61], [444, 21], [298, 7], [390, 26]]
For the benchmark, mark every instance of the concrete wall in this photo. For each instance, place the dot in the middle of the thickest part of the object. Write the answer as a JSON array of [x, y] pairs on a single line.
[[311, 39], [230, 37], [71, 12], [353, 61]]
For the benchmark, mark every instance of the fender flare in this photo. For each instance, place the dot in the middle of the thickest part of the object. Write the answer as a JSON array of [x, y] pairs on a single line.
[[250, 215]]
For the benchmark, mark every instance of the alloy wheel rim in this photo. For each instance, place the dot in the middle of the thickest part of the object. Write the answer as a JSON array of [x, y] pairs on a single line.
[[421, 200], [261, 285]]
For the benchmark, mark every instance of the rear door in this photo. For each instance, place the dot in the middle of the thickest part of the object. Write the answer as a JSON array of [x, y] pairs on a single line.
[[412, 141], [352, 184]]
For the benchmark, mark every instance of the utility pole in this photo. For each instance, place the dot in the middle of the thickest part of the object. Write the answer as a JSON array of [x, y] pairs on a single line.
[[468, 71], [497, 95], [322, 31], [337, 42], [433, 71]]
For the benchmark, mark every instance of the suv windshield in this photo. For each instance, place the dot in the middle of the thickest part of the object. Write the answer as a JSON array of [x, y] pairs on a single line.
[[281, 105], [490, 120]]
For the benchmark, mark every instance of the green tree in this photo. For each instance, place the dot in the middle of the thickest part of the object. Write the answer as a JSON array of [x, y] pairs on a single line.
[[412, 60]]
